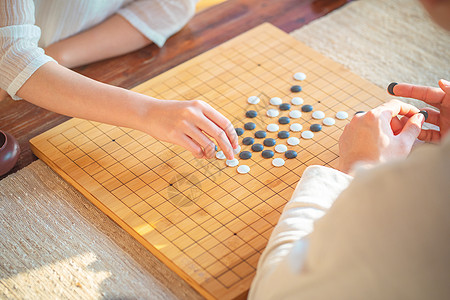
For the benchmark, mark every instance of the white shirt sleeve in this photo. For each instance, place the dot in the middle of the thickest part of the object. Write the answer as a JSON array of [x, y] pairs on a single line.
[[315, 193], [385, 237], [158, 20], [20, 55]]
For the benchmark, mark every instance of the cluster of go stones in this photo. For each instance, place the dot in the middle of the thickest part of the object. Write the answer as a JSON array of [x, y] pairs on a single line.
[[266, 147]]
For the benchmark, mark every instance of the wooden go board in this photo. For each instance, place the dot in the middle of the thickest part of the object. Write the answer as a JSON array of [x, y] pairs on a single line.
[[204, 220]]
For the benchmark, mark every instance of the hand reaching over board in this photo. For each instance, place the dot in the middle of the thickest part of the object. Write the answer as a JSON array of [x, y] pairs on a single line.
[[185, 123], [189, 123], [437, 97], [378, 135]]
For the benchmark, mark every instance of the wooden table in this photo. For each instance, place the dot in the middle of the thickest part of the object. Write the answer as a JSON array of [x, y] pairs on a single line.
[[206, 30]]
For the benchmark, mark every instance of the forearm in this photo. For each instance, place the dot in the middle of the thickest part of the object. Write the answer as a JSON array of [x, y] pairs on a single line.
[[61, 90], [113, 37]]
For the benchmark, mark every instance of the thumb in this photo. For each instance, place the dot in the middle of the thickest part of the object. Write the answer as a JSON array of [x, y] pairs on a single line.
[[445, 86], [412, 128]]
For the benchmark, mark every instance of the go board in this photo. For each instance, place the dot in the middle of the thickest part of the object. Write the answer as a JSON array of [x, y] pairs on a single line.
[[204, 220]]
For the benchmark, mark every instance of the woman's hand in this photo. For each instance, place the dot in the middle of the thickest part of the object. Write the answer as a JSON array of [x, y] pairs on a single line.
[[190, 124], [437, 97], [185, 123], [379, 135]]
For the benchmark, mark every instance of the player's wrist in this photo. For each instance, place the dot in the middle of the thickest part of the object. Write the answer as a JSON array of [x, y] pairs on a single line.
[[349, 164], [359, 165], [147, 113]]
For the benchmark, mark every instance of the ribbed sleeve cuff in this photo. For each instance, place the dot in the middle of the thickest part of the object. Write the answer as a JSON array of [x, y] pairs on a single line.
[[20, 56], [23, 76]]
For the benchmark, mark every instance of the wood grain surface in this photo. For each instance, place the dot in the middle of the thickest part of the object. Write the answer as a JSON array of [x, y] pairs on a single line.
[[206, 30]]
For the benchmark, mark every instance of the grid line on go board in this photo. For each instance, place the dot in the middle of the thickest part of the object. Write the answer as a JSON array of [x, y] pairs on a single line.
[[204, 217]]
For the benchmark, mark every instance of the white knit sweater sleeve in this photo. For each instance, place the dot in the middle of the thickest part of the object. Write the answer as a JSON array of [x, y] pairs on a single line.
[[158, 20], [20, 55]]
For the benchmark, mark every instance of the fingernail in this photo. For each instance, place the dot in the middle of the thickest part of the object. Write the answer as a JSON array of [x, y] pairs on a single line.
[[424, 113], [445, 82], [420, 117], [390, 88]]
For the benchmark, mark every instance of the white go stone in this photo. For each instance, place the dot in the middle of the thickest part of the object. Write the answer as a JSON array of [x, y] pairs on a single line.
[[278, 162], [297, 101], [243, 169], [273, 127], [253, 100], [220, 155], [273, 113], [295, 114], [318, 114], [293, 141], [237, 150], [300, 76], [342, 115], [276, 101], [232, 163], [280, 148], [296, 127], [329, 121], [307, 134]]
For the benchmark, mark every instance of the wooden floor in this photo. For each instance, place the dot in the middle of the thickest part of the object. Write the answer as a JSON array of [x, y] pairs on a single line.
[[203, 4], [207, 29]]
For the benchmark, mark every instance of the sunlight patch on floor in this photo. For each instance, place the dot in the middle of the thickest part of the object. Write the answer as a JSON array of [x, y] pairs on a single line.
[[72, 276]]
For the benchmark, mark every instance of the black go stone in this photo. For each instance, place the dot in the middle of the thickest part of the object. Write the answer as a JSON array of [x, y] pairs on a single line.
[[260, 134], [285, 106], [290, 154], [315, 127], [239, 131], [248, 141], [251, 114], [269, 142], [391, 88], [267, 154], [250, 126], [283, 134], [307, 108], [245, 155], [424, 113], [284, 120], [296, 88], [257, 147]]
